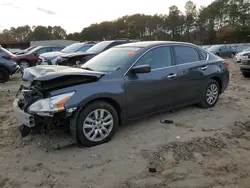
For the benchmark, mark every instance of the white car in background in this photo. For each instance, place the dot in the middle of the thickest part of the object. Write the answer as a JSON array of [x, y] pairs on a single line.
[[242, 55]]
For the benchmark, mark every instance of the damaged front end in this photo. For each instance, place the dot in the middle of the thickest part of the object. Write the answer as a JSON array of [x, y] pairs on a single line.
[[37, 110]]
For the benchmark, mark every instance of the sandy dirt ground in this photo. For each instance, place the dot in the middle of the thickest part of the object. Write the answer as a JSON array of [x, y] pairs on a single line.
[[203, 148]]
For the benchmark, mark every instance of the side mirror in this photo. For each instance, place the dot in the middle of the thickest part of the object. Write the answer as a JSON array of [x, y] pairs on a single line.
[[141, 69]]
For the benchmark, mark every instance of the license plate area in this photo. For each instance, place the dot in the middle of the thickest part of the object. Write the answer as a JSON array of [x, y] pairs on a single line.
[[22, 117]]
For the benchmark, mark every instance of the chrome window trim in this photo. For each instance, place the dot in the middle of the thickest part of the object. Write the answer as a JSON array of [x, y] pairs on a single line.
[[169, 45], [165, 45]]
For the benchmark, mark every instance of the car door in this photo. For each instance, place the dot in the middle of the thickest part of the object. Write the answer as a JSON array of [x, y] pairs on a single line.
[[190, 67], [149, 92], [224, 51]]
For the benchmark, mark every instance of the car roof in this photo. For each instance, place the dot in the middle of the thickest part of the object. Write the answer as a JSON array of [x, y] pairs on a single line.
[[148, 44], [47, 46]]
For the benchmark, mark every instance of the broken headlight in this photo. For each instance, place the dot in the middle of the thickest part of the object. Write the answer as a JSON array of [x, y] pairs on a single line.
[[50, 105]]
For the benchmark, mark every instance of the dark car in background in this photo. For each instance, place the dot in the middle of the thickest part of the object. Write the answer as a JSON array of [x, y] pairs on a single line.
[[223, 50], [30, 59], [50, 58], [76, 59], [6, 54], [124, 82], [7, 68]]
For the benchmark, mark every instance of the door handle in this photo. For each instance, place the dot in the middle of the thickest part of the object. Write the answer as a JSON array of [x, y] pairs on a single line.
[[170, 76], [204, 68]]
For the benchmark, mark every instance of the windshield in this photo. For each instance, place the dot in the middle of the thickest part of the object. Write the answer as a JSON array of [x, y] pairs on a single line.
[[30, 48], [111, 60], [99, 47], [34, 50], [72, 48], [215, 47], [247, 49]]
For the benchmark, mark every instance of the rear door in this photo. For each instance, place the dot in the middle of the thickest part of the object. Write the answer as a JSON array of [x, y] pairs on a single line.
[[190, 67], [153, 91]]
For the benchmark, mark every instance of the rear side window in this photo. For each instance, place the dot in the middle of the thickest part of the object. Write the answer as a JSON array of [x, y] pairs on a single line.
[[185, 54]]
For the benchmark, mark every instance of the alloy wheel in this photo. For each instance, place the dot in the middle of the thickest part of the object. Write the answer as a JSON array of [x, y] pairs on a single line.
[[98, 125], [212, 94]]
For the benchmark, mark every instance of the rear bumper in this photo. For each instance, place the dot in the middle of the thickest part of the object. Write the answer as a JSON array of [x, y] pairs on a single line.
[[245, 68]]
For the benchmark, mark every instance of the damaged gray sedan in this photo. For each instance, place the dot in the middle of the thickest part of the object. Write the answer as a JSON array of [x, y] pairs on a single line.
[[120, 84]]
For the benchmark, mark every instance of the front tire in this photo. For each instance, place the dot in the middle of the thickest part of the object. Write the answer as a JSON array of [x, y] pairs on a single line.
[[246, 74], [210, 94], [96, 124], [4, 75]]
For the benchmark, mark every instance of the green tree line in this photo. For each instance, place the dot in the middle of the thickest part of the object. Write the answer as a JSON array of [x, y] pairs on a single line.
[[223, 21]]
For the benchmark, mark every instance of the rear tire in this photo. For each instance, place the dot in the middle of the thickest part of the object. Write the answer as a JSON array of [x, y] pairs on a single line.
[[232, 55], [246, 74], [210, 94], [4, 75], [96, 124]]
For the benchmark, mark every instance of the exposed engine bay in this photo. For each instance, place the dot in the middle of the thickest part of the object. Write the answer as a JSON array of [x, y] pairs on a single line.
[[37, 109]]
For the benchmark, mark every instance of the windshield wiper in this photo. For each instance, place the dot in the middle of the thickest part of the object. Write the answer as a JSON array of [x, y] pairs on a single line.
[[87, 68]]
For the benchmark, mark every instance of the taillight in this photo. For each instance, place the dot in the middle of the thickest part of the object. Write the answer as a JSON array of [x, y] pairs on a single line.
[[8, 57], [226, 64]]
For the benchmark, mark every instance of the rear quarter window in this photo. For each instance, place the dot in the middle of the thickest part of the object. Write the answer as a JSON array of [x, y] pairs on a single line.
[[203, 55]]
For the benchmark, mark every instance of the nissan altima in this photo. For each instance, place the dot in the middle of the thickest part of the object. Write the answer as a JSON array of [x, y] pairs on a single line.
[[118, 85]]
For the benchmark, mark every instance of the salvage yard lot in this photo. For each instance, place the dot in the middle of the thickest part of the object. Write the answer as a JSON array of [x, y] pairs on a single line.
[[203, 148]]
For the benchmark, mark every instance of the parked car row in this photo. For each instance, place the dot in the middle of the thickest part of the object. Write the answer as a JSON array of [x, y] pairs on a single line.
[[74, 57], [226, 50], [51, 58], [123, 81]]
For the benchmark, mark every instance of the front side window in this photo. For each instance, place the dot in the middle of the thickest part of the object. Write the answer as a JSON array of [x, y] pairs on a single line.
[[111, 60], [157, 58], [185, 54]]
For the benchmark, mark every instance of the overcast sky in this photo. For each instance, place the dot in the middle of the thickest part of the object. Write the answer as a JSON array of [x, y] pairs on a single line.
[[74, 15]]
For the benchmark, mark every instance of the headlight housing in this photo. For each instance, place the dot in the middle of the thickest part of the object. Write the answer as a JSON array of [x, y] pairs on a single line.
[[50, 105], [247, 54]]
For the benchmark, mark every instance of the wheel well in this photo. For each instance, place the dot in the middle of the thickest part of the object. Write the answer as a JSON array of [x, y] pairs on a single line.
[[2, 67], [217, 79], [112, 102], [19, 61]]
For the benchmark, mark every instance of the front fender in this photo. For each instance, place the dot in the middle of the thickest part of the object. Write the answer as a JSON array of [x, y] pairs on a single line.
[[84, 93]]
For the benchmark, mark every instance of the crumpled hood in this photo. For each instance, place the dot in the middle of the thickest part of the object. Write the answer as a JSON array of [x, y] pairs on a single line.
[[50, 72], [51, 55]]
